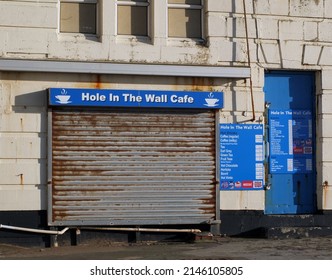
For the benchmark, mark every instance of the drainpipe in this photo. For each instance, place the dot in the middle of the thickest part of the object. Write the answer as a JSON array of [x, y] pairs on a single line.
[[249, 61], [138, 229], [54, 232]]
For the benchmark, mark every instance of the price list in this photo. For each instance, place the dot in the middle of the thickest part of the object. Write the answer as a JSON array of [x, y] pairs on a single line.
[[290, 137], [241, 157]]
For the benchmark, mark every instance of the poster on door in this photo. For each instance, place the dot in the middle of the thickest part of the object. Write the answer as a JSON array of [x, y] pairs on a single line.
[[241, 157], [291, 141]]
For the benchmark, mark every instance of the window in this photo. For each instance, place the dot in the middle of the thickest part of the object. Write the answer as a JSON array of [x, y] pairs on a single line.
[[132, 17], [185, 18], [78, 16]]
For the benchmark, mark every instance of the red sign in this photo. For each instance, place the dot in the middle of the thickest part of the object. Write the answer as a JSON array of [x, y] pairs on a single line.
[[247, 184]]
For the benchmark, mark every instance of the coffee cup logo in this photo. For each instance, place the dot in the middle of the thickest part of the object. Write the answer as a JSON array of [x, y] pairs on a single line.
[[63, 98], [211, 101]]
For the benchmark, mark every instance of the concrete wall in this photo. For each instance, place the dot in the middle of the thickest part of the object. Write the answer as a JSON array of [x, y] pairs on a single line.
[[283, 34], [29, 36], [291, 35], [23, 125]]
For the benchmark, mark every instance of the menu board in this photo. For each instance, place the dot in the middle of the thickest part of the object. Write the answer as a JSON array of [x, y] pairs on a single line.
[[290, 137], [241, 157]]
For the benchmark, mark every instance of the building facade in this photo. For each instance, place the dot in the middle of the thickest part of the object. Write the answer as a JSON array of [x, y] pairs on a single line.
[[106, 115]]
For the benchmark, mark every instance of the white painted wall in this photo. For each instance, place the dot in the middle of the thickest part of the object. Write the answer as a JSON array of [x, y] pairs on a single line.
[[283, 34], [23, 125], [292, 35]]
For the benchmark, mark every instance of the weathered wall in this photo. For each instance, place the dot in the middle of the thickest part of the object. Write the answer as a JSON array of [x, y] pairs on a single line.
[[291, 35], [23, 125], [283, 34], [29, 36]]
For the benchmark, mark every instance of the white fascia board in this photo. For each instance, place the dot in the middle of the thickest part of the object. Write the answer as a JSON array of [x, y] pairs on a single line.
[[123, 69]]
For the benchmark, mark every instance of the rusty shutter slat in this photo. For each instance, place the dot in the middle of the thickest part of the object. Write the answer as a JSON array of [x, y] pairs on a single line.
[[132, 166]]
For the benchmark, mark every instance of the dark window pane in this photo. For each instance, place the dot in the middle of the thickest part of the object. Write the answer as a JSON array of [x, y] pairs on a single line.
[[132, 20], [188, 2], [78, 18], [184, 23]]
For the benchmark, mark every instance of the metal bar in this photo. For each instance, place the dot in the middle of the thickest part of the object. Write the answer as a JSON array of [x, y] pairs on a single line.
[[249, 61], [34, 230], [217, 162], [138, 229], [50, 167], [123, 69], [56, 232]]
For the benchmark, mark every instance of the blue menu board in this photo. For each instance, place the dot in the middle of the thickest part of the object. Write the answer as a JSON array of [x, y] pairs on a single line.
[[290, 137], [241, 157]]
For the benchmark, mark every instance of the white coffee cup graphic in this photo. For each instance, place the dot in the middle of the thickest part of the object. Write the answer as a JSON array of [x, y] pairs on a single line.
[[211, 101], [63, 98]]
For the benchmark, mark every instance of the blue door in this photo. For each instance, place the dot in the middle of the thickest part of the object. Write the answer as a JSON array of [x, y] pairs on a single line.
[[290, 142]]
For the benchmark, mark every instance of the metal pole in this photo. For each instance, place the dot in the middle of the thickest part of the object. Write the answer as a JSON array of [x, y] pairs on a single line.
[[249, 61]]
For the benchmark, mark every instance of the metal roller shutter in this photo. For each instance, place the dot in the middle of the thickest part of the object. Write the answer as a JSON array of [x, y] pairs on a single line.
[[132, 166]]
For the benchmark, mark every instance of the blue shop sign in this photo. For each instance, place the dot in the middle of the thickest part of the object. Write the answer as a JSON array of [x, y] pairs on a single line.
[[135, 98], [241, 157]]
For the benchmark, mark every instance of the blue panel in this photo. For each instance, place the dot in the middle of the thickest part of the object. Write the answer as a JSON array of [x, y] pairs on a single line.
[[241, 157], [289, 90], [291, 140], [135, 98]]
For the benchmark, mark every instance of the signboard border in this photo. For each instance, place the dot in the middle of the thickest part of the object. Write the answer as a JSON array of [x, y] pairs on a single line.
[[85, 97], [235, 182]]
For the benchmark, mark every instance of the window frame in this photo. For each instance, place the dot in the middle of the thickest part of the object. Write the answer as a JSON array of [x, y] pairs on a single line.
[[187, 6], [97, 22], [147, 4]]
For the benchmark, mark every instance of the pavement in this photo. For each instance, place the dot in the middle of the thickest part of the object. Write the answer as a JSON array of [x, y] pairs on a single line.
[[218, 248]]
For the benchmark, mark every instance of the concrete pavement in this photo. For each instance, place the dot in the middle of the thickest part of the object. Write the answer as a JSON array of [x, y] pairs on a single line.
[[221, 248]]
